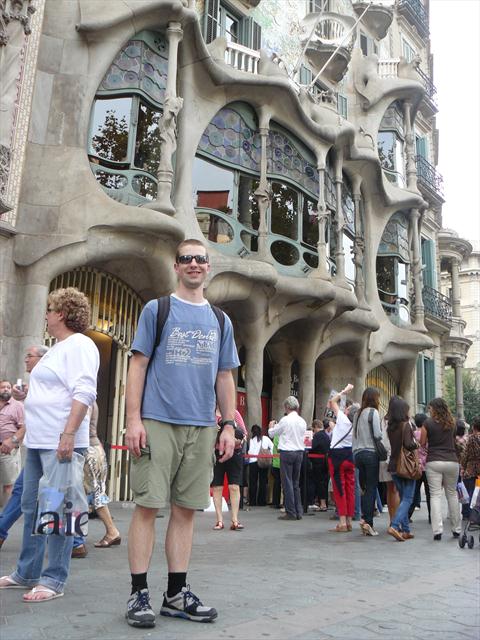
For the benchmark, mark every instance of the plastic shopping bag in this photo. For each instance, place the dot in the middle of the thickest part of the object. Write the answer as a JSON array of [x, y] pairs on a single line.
[[462, 493], [62, 507], [475, 502]]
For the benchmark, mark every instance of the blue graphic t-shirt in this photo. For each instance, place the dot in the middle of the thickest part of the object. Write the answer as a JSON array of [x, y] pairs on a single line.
[[180, 383]]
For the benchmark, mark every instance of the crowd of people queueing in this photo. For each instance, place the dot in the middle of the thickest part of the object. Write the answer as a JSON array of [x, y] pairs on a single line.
[[358, 456]]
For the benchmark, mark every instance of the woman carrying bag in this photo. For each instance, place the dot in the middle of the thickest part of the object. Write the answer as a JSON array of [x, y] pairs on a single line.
[[401, 438]]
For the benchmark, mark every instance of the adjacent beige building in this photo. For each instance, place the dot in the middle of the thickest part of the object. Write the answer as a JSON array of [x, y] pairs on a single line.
[[309, 172]]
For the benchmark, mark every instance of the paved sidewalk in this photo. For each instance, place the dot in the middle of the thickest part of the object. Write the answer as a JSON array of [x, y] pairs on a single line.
[[273, 580]]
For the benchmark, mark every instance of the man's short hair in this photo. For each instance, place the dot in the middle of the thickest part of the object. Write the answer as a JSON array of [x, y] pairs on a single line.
[[291, 403], [2, 381], [184, 243]]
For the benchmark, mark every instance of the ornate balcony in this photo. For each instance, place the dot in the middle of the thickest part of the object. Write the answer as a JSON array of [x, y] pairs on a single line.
[[415, 12], [437, 305], [429, 103], [429, 181], [330, 31], [378, 17]]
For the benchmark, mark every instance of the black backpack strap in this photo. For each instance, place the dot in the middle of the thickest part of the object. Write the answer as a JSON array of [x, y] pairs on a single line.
[[221, 319], [162, 315]]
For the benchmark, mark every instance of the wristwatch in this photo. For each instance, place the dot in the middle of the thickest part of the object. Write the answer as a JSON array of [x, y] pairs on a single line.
[[15, 441], [232, 423]]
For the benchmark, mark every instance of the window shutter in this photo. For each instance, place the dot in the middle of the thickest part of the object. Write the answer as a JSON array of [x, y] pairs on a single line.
[[250, 33], [429, 263], [305, 76], [420, 381], [421, 147], [211, 20], [429, 380]]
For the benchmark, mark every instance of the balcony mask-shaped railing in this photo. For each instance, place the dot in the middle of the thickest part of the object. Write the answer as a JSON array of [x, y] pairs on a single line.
[[436, 304], [415, 12], [430, 89], [429, 178]]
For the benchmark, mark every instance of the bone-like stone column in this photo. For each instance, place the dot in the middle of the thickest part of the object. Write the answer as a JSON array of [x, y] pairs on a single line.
[[418, 308], [263, 194], [340, 222], [254, 382], [459, 406], [456, 288], [358, 245], [168, 125], [322, 216], [411, 168], [281, 379], [307, 388]]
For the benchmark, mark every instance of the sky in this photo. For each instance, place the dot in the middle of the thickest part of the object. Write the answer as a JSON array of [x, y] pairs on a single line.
[[455, 37]]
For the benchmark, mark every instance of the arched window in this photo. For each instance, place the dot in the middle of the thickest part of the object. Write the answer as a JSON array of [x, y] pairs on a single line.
[[391, 136], [124, 145], [348, 210], [393, 269]]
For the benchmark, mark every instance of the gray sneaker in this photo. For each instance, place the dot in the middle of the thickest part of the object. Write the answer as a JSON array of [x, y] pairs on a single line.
[[186, 605], [139, 612]]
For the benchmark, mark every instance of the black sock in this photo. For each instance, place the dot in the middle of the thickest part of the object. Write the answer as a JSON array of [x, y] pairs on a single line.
[[139, 581], [176, 582]]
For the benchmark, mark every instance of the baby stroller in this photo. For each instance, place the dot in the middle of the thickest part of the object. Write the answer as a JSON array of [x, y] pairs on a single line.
[[473, 523]]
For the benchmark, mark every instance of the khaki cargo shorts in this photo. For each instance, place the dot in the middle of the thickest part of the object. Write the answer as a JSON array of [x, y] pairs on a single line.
[[10, 466], [176, 466]]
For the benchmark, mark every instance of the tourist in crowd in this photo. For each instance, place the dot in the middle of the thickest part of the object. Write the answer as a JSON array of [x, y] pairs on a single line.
[[13, 509], [291, 430], [392, 498], [366, 430], [12, 429], [442, 466], [62, 387], [400, 434], [419, 420], [233, 469], [470, 462], [320, 446], [340, 461], [258, 474]]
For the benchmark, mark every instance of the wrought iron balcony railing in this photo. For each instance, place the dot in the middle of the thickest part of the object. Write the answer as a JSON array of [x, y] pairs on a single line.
[[430, 88], [416, 14], [436, 304], [428, 177]]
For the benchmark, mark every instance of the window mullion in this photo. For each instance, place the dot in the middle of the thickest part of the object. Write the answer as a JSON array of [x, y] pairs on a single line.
[[132, 136]]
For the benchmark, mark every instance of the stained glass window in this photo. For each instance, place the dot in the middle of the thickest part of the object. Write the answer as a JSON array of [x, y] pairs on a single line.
[[229, 138], [285, 159]]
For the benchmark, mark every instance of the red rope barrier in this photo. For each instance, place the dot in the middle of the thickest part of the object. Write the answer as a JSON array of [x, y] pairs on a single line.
[[245, 455]]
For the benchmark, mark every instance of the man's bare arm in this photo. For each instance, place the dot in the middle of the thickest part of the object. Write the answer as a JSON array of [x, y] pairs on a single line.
[[136, 436], [225, 389]]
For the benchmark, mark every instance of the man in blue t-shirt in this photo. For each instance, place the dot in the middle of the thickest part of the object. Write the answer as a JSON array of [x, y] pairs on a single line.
[[171, 430]]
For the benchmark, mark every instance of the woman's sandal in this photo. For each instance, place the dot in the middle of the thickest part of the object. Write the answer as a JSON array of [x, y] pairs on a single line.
[[105, 542], [50, 594], [10, 583], [219, 526], [340, 528], [236, 526]]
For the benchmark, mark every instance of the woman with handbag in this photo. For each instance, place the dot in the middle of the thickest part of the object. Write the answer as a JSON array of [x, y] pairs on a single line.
[[442, 466], [402, 441], [366, 446], [62, 387], [258, 473]]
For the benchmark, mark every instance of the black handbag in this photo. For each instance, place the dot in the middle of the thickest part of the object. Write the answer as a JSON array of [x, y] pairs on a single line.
[[382, 453]]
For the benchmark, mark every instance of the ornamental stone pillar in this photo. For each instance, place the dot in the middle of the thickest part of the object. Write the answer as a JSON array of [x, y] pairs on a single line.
[[168, 125], [254, 382], [322, 270], [358, 245], [307, 388], [411, 167], [458, 368], [456, 288], [263, 194], [340, 222], [281, 380], [418, 308]]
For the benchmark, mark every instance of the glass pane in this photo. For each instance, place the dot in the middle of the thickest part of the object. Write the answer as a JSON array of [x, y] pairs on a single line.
[[349, 266], [248, 213], [231, 29], [399, 162], [311, 260], [111, 180], [310, 222], [402, 281], [213, 187], [386, 149], [284, 211], [145, 186], [284, 253], [147, 144], [110, 128], [386, 278], [215, 228]]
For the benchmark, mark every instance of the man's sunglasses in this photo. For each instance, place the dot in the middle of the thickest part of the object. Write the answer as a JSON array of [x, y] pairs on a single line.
[[188, 259]]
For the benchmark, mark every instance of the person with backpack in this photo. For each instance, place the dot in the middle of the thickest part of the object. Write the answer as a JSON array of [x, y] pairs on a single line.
[[183, 356], [366, 434], [258, 467]]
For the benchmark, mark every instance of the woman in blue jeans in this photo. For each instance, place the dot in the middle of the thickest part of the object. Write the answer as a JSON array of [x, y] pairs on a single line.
[[62, 387], [400, 433], [366, 429]]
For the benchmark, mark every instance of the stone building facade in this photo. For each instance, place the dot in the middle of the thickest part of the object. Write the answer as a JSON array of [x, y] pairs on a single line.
[[133, 124]]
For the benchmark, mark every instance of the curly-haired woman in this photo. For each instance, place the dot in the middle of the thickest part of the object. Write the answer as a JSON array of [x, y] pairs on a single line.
[[442, 465], [62, 387]]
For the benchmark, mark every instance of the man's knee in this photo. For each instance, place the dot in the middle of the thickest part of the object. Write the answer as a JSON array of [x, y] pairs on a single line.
[[145, 514]]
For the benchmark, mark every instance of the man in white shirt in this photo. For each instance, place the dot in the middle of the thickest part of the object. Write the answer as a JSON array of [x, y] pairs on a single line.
[[291, 430]]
